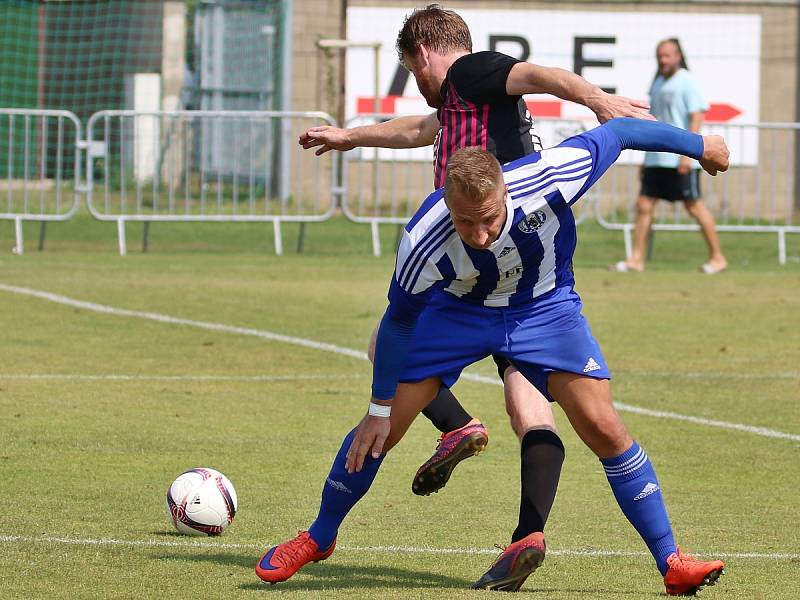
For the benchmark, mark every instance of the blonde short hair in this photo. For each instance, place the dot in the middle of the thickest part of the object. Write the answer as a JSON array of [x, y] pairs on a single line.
[[472, 173]]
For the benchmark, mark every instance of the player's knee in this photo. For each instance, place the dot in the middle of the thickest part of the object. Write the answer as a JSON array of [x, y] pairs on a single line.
[[531, 412], [528, 421], [610, 435], [541, 426]]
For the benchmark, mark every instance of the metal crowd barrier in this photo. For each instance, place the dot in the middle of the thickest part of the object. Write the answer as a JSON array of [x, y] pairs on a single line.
[[757, 194], [384, 186], [247, 166], [40, 169], [387, 186], [206, 166]]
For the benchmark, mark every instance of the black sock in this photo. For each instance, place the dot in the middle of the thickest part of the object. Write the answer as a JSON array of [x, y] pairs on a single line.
[[542, 454], [446, 412]]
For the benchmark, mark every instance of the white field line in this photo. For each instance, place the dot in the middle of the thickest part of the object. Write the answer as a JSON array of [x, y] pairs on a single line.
[[662, 414], [711, 374], [268, 335], [23, 539], [122, 312], [301, 376], [113, 377]]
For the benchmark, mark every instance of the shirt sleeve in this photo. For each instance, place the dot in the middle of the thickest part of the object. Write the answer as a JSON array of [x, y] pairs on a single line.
[[391, 350], [481, 77], [578, 162], [412, 284], [581, 160]]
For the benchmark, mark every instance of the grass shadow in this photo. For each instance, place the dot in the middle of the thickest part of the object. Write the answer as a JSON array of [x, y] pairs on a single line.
[[172, 534], [247, 561], [591, 592], [344, 576], [329, 576]]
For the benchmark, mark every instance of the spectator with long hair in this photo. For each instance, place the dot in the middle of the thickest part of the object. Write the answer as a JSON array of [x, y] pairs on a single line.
[[676, 99]]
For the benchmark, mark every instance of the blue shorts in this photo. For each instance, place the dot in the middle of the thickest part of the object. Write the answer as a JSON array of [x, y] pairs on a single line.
[[551, 335]]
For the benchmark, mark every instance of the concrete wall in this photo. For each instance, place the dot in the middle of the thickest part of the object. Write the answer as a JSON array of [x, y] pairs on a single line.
[[316, 81]]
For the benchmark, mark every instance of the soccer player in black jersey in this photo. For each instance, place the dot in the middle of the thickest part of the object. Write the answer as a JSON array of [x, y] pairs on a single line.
[[478, 102]]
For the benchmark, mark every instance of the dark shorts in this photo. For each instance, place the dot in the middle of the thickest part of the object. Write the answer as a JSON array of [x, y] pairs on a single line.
[[502, 364], [668, 184]]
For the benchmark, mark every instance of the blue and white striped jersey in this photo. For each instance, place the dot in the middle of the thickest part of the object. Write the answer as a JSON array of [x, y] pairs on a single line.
[[532, 255], [531, 260]]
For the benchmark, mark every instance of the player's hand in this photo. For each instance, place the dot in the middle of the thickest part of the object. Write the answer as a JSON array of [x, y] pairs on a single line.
[[370, 436], [609, 106], [715, 155], [325, 138], [684, 165]]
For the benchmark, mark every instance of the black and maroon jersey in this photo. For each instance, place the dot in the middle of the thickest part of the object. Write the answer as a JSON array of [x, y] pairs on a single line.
[[477, 111]]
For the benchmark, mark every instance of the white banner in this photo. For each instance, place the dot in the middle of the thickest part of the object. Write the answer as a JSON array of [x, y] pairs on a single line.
[[615, 50]]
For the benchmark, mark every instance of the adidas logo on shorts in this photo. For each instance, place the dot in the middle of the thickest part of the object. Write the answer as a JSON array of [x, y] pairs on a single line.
[[591, 365]]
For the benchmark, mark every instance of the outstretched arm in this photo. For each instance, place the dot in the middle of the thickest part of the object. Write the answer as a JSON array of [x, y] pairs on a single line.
[[528, 78], [600, 147], [710, 150], [402, 132]]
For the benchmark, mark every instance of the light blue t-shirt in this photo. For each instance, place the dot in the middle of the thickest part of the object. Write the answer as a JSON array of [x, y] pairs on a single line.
[[672, 101]]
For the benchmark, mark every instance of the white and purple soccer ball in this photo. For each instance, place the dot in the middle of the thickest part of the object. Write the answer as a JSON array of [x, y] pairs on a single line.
[[201, 501]]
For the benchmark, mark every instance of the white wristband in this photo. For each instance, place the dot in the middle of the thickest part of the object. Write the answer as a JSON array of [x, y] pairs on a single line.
[[379, 410]]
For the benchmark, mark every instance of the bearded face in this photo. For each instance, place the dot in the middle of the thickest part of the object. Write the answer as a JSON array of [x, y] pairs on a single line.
[[427, 84]]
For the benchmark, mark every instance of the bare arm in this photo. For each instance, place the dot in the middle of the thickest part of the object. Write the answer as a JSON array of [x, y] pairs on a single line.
[[528, 78], [402, 132], [695, 123]]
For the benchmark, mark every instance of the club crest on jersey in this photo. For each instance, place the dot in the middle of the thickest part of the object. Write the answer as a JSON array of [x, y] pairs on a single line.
[[532, 222]]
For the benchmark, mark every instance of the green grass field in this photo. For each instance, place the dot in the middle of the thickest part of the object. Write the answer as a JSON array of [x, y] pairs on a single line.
[[101, 411]]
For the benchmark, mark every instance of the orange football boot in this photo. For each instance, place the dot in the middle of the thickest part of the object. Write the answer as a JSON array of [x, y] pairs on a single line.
[[686, 575], [284, 560]]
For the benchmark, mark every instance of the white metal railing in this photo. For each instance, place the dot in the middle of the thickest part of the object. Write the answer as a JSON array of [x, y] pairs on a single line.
[[40, 168], [384, 186], [207, 166], [247, 166], [757, 194]]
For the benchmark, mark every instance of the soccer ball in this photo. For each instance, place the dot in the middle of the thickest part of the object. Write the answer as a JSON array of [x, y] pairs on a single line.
[[201, 501]]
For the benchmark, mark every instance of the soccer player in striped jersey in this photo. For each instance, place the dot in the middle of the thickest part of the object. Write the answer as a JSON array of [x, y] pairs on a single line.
[[478, 97], [484, 267]]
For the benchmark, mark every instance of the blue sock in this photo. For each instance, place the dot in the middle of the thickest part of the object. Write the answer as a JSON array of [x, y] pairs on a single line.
[[341, 493], [636, 489]]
